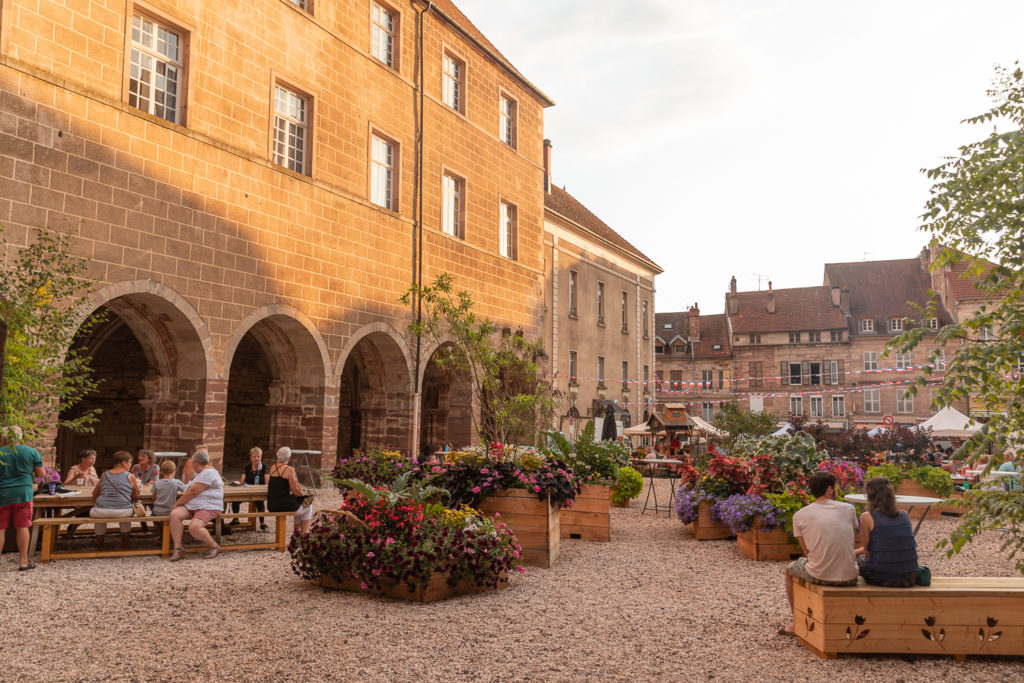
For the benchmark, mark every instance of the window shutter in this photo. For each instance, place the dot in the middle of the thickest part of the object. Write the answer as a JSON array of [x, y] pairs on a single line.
[[805, 371], [841, 372], [826, 372], [784, 372]]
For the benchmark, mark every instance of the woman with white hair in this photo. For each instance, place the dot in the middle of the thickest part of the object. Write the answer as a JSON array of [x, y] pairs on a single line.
[[202, 502], [284, 493]]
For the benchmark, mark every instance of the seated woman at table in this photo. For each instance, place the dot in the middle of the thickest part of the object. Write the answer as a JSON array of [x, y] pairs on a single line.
[[889, 555], [254, 474], [202, 502], [284, 493], [84, 470], [146, 471], [113, 497]]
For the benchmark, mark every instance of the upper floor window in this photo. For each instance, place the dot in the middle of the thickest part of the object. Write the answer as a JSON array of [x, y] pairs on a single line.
[[647, 379], [939, 359], [838, 405], [904, 402], [871, 360], [895, 324], [452, 214], [867, 325], [382, 172], [625, 312], [659, 349], [625, 374], [796, 405], [755, 339], [707, 411], [302, 4], [835, 335], [903, 361], [574, 278], [572, 368], [509, 237], [872, 401], [814, 337], [754, 369], [794, 337], [600, 303], [645, 314], [291, 137], [507, 120], [986, 333], [600, 372], [707, 379], [793, 372], [817, 407], [157, 69], [679, 348], [931, 323], [453, 82], [383, 28]]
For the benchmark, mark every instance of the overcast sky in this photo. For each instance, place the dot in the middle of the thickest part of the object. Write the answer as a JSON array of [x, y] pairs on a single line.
[[755, 137]]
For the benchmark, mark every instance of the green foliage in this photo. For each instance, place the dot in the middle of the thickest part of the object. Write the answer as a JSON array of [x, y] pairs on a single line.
[[934, 478], [591, 460], [792, 456], [738, 422], [404, 487], [789, 503], [990, 510], [628, 485], [42, 293], [501, 369], [888, 470]]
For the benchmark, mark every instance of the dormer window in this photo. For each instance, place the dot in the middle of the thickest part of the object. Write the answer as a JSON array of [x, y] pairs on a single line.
[[867, 325]]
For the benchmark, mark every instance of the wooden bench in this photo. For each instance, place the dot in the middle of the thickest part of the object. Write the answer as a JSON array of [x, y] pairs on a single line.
[[51, 525], [956, 616]]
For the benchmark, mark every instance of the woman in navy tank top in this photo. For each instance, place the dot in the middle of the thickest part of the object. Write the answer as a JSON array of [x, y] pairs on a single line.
[[889, 555]]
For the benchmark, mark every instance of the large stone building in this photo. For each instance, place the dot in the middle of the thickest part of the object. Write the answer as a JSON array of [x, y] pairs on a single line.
[[254, 185]]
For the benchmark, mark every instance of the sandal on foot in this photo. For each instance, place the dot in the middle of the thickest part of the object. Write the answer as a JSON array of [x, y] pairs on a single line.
[[177, 554], [264, 527], [787, 633], [30, 565], [212, 553]]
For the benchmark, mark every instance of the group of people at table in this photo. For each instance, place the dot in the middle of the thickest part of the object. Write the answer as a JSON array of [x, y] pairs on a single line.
[[198, 495]]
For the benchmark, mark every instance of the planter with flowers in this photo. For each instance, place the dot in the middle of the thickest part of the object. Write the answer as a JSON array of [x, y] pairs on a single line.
[[392, 542], [696, 501], [924, 481], [759, 526]]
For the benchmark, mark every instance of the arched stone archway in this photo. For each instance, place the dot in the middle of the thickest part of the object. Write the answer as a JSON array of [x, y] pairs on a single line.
[[275, 393], [446, 407], [152, 366], [375, 397]]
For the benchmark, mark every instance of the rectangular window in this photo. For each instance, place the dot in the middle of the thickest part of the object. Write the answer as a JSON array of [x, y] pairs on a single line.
[[794, 337], [675, 377], [507, 120], [157, 69], [873, 401], [290, 130], [509, 237], [904, 402], [939, 359], [931, 323], [382, 34], [453, 220], [832, 372], [755, 339], [814, 337], [574, 279], [895, 324], [625, 374], [707, 379], [707, 411], [986, 334], [835, 335], [867, 325], [796, 405], [817, 407], [755, 374], [659, 349], [647, 375], [382, 173], [679, 348], [838, 406], [572, 368], [645, 314], [625, 312], [301, 4], [871, 360], [600, 372], [903, 361], [794, 373], [453, 81], [813, 372], [721, 379], [600, 303]]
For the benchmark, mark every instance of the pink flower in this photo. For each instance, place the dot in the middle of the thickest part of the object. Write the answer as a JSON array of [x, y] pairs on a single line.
[[484, 471], [370, 554], [536, 489], [475, 489], [389, 541], [362, 584], [519, 568]]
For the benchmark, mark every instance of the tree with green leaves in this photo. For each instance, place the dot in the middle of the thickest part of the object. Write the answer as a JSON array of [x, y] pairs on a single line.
[[739, 422], [976, 215], [42, 292], [500, 367]]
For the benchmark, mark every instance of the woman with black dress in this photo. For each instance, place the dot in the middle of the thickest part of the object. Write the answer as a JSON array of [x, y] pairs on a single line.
[[284, 493], [889, 555], [254, 474]]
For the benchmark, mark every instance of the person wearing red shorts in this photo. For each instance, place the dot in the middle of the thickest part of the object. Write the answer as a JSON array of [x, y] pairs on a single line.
[[18, 465]]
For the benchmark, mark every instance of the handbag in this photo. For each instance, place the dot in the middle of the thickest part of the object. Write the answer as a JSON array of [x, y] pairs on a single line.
[[138, 509], [923, 576]]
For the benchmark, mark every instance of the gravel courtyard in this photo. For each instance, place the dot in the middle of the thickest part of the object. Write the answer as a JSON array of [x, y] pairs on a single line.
[[652, 605]]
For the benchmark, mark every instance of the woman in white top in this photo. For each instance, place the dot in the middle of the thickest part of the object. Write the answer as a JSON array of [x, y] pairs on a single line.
[[202, 502]]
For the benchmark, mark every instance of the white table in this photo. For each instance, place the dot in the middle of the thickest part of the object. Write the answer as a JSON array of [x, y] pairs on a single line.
[[673, 477], [912, 501]]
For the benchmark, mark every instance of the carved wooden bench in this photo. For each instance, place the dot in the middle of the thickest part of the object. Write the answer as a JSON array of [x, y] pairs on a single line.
[[956, 616], [51, 525]]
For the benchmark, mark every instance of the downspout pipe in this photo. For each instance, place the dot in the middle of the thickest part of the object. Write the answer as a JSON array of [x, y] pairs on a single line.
[[417, 237]]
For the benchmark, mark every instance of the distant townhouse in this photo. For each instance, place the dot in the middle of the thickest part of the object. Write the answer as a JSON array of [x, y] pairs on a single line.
[[694, 360]]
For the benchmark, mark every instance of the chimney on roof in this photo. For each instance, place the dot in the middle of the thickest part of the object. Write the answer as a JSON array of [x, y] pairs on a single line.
[[844, 300], [547, 166], [694, 323], [771, 299], [835, 296], [732, 285]]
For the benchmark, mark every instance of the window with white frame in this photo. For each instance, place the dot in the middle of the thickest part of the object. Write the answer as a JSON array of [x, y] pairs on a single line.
[[301, 4], [679, 348], [838, 406], [895, 324], [814, 337], [625, 312], [600, 303], [931, 323], [645, 317], [986, 333], [572, 368], [755, 339], [871, 360], [707, 411], [573, 288], [835, 335], [707, 379], [507, 108], [904, 402], [383, 29], [873, 401], [796, 405], [509, 237], [291, 139], [453, 79], [600, 371], [817, 407], [903, 361], [795, 376], [794, 337], [832, 371], [157, 69], [453, 189], [939, 359], [867, 325], [382, 172]]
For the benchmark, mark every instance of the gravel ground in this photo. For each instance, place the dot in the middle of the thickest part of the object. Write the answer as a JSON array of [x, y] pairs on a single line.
[[651, 605]]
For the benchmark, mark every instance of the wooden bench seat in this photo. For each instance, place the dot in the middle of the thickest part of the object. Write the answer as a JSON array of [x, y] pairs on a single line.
[[955, 616], [51, 526]]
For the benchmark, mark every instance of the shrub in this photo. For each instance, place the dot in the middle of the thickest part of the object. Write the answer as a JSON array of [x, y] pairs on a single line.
[[629, 485], [891, 472], [934, 478], [688, 503], [376, 465], [738, 512]]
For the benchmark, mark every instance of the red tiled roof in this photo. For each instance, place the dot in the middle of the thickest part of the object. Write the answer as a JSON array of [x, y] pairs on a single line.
[[962, 283], [564, 204], [797, 309], [884, 289], [713, 332]]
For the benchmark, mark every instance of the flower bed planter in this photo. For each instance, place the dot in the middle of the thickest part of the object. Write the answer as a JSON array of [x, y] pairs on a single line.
[[706, 530], [535, 523], [437, 588], [589, 518], [909, 487], [761, 545]]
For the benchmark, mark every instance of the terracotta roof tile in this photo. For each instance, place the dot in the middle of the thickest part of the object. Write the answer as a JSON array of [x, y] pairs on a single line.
[[563, 203], [714, 332], [797, 309], [884, 289], [962, 284]]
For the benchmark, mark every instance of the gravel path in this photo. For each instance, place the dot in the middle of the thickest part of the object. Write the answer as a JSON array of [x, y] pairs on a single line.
[[651, 605]]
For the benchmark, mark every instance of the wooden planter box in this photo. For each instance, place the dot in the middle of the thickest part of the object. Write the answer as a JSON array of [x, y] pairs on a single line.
[[535, 523], [436, 589], [760, 545], [909, 487], [706, 530], [589, 518]]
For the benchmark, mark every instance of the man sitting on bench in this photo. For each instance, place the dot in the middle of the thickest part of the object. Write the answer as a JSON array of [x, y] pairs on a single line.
[[826, 530]]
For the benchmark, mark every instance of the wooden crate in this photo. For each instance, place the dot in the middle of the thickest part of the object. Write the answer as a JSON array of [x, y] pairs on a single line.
[[909, 487], [706, 530], [766, 546], [589, 518], [534, 522], [436, 589], [955, 616]]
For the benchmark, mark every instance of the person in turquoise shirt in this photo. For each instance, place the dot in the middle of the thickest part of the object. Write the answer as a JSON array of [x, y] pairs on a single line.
[[1012, 483], [18, 465]]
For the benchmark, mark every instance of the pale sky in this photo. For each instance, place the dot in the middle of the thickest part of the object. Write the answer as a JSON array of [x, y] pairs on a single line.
[[746, 137]]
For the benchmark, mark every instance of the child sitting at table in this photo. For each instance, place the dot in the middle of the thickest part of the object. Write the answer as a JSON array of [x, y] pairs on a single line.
[[165, 492]]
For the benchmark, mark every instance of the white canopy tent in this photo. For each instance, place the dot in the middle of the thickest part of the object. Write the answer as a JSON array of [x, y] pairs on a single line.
[[783, 431], [708, 428], [951, 423]]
